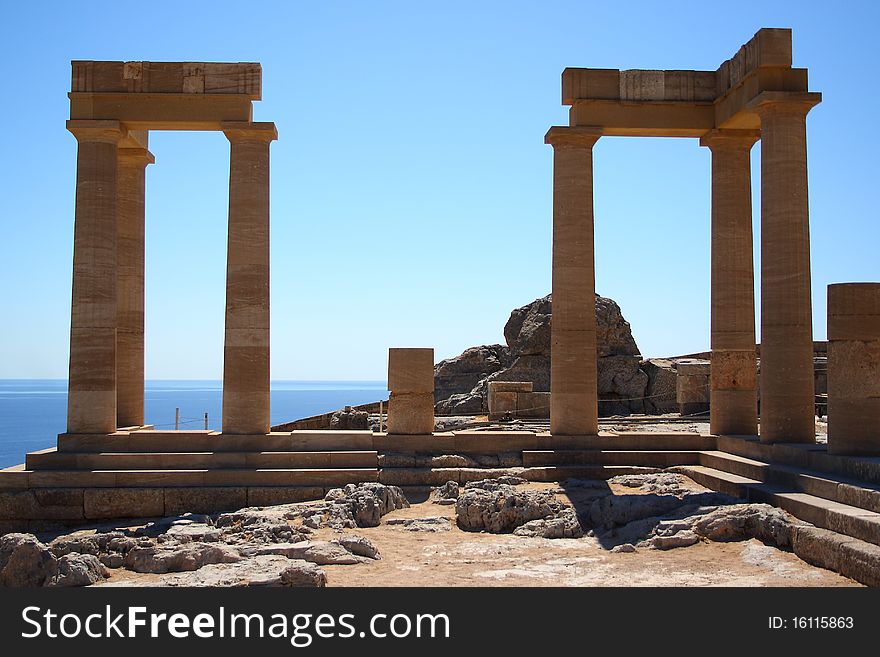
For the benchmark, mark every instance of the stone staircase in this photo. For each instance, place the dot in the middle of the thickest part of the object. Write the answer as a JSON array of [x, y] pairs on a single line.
[[147, 473], [416, 461], [841, 494], [141, 473]]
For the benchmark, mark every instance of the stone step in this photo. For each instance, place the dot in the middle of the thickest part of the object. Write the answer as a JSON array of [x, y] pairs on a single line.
[[853, 521], [829, 486], [210, 441], [438, 476], [54, 460], [651, 458], [494, 442], [809, 456], [184, 477], [732, 463]]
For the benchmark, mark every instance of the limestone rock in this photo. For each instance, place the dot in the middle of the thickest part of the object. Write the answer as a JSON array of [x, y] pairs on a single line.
[[619, 510], [467, 403], [459, 375], [177, 558], [368, 502], [563, 525], [660, 391], [622, 385], [77, 569], [25, 561], [664, 483], [741, 521], [319, 552], [624, 548], [445, 494], [429, 524], [359, 546], [349, 420], [461, 383], [266, 570], [501, 508]]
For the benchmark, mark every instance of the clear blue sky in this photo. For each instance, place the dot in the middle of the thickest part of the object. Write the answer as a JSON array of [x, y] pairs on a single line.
[[411, 189]]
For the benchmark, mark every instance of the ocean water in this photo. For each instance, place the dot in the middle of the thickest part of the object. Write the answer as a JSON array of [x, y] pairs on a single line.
[[34, 411]]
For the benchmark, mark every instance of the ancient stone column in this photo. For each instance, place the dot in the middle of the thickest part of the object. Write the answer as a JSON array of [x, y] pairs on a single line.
[[246, 350], [733, 405], [130, 286], [787, 395], [91, 401], [854, 369], [411, 382], [574, 405]]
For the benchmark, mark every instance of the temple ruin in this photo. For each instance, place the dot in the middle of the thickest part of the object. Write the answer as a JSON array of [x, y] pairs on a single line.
[[754, 95], [110, 464]]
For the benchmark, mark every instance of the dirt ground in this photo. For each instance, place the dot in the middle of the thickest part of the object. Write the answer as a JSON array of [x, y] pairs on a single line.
[[452, 557]]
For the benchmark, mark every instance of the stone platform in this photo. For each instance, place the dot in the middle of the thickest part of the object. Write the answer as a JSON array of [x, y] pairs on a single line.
[[89, 478]]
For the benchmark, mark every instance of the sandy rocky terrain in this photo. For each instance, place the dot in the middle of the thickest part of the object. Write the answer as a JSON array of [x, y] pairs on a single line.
[[656, 530]]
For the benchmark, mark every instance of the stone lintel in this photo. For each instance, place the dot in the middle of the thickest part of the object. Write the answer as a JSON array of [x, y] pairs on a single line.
[[649, 118], [162, 111], [248, 131], [730, 139], [572, 137]]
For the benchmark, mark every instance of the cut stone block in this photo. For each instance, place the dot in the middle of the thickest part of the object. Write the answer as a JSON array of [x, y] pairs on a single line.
[[411, 370], [411, 413], [100, 503]]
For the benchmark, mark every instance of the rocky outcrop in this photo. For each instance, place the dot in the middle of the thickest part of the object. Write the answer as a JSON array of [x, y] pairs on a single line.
[[461, 383], [25, 561], [255, 546], [349, 419], [79, 570], [461, 374], [498, 508], [660, 393]]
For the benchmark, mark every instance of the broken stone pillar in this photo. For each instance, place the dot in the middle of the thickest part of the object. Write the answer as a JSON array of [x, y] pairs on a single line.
[[411, 382], [246, 349], [734, 372], [787, 394], [692, 386], [574, 400], [854, 369], [91, 400], [130, 286]]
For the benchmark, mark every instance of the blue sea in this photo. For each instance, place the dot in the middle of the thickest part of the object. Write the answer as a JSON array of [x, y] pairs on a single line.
[[34, 411]]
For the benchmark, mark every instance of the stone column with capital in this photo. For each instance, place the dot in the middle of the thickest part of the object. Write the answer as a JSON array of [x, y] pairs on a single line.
[[246, 349], [91, 400], [130, 286], [733, 383], [574, 404], [787, 387]]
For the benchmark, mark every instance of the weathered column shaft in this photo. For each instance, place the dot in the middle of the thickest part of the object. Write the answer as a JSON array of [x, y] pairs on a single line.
[[130, 286], [246, 350], [854, 369], [733, 379], [787, 389], [91, 401], [574, 404]]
